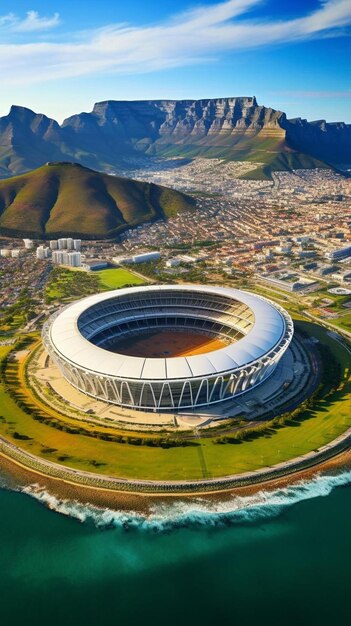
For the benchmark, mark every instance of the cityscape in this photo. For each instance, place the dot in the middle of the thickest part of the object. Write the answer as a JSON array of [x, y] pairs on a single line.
[[175, 313], [291, 234]]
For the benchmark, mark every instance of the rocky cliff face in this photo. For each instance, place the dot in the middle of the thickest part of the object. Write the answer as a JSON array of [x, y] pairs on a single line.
[[327, 141], [154, 120], [234, 128], [27, 139]]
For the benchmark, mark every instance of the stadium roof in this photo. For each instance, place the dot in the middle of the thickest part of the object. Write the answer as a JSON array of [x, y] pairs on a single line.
[[268, 329]]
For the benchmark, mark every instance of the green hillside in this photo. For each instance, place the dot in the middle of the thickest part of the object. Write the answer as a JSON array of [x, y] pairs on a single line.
[[66, 198], [267, 148]]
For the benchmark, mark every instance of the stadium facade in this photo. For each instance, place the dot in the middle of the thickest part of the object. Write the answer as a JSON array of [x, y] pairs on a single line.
[[254, 331]]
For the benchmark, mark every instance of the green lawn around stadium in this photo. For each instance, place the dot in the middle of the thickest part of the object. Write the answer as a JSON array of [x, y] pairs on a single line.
[[114, 278], [207, 459]]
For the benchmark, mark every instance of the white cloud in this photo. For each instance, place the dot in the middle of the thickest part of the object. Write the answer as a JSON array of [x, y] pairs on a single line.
[[31, 23], [6, 20], [191, 37]]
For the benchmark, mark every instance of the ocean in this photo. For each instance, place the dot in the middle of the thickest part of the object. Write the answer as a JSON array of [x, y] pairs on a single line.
[[279, 558]]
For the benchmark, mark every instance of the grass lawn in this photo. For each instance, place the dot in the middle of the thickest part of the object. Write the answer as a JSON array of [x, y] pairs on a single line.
[[4, 350], [68, 284], [118, 277], [329, 419], [343, 321]]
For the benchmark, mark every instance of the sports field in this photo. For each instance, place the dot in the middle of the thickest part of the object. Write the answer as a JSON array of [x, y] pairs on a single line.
[[115, 277], [167, 343]]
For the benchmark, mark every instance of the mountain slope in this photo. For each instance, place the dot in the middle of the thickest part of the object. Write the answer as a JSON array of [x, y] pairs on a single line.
[[229, 128], [67, 198], [27, 140]]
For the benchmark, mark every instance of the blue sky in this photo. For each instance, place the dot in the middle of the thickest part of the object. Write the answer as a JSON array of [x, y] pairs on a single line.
[[61, 57]]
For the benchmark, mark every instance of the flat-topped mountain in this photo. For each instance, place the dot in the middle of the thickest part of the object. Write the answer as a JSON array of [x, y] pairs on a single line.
[[230, 128], [67, 198]]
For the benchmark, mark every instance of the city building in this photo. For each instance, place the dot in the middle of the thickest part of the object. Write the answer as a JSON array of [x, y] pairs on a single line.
[[62, 243], [43, 253], [342, 276], [5, 252], [289, 281], [65, 257], [145, 257], [138, 258], [173, 262], [96, 265], [341, 253]]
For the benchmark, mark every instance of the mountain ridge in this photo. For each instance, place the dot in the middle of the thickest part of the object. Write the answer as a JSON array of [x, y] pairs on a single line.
[[235, 128]]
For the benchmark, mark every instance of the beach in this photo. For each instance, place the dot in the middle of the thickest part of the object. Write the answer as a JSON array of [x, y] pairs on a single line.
[[19, 476]]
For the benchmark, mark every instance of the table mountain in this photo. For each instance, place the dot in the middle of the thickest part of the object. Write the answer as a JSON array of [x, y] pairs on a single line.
[[230, 128]]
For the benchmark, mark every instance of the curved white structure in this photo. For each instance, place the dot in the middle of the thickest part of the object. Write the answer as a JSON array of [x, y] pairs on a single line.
[[256, 332]]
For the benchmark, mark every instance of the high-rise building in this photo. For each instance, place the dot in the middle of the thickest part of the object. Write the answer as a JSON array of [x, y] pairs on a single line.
[[77, 244], [53, 244], [59, 257], [64, 257], [62, 243], [43, 253], [74, 259], [69, 243], [28, 244]]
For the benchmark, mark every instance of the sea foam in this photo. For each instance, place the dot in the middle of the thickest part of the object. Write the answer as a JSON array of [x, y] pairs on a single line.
[[195, 512]]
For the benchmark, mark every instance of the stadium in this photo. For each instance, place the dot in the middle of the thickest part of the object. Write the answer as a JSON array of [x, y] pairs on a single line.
[[168, 347]]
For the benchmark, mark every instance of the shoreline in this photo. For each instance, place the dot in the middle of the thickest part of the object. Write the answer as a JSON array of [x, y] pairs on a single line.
[[19, 476]]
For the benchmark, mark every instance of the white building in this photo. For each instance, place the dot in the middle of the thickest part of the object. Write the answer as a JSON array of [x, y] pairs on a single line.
[[28, 244], [43, 253], [64, 257], [146, 256], [5, 252], [173, 262], [74, 259], [62, 243], [139, 258]]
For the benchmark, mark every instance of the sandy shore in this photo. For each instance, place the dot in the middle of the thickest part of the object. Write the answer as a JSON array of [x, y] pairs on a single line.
[[17, 475]]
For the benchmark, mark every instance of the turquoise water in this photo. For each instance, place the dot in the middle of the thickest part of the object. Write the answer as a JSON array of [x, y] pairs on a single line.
[[281, 558]]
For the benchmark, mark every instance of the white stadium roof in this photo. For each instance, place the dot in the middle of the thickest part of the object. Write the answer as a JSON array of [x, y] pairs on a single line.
[[268, 329]]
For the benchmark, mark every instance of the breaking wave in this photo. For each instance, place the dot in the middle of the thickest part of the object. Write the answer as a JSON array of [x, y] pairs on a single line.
[[196, 512]]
